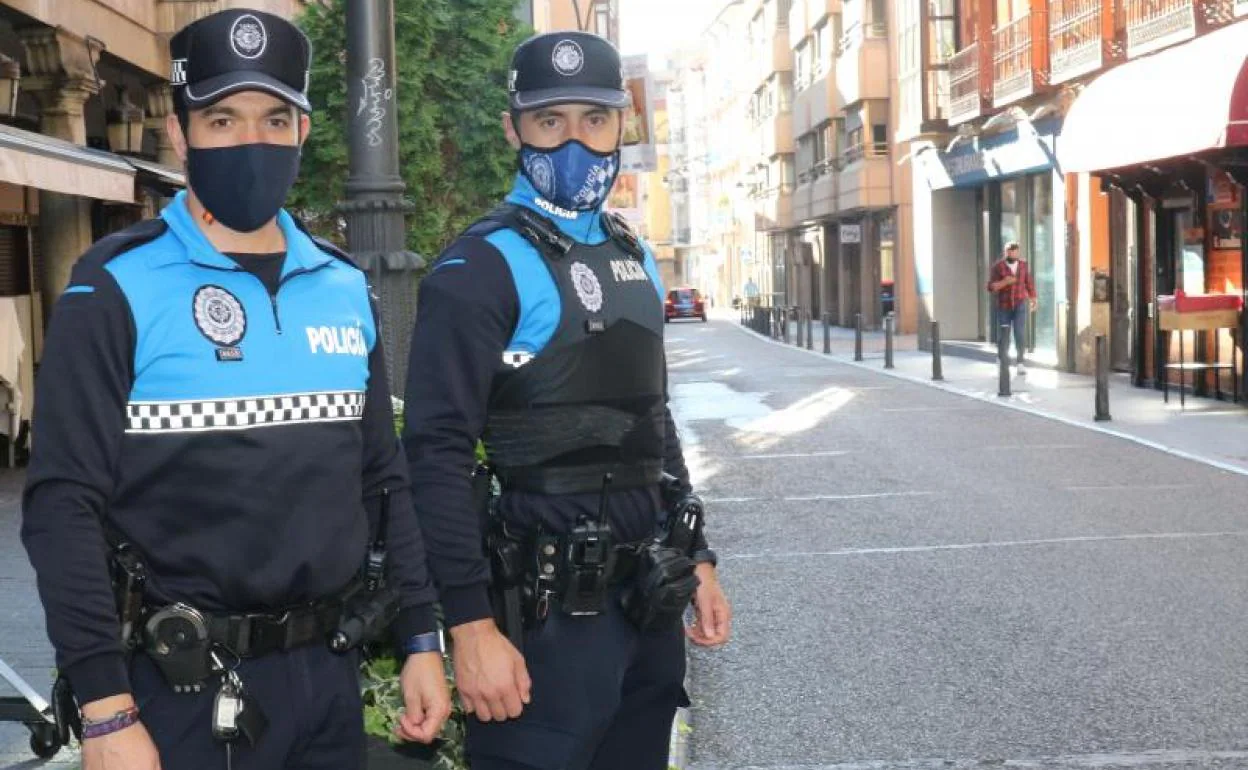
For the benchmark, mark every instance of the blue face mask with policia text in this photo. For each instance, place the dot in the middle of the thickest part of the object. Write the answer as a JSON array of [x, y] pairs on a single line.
[[571, 176]]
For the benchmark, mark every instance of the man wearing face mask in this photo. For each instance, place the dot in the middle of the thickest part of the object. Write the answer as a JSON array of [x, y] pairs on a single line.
[[215, 428], [540, 332]]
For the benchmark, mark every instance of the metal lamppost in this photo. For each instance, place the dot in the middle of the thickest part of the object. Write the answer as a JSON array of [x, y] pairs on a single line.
[[375, 206]]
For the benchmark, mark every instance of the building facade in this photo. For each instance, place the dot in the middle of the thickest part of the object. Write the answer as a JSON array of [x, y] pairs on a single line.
[[598, 16], [84, 91], [1026, 119], [846, 252]]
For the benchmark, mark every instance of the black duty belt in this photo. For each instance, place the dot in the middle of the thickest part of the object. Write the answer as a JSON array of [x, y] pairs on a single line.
[[252, 635], [574, 479]]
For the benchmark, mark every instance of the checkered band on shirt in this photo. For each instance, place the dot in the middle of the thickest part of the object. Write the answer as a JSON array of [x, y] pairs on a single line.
[[243, 413]]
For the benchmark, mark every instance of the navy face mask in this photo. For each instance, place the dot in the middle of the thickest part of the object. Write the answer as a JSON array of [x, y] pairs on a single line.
[[243, 186], [571, 176]]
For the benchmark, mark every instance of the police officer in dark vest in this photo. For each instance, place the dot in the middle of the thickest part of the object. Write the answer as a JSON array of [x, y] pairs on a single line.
[[539, 334], [217, 505]]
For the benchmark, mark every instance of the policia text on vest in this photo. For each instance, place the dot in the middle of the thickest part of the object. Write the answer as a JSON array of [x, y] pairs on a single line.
[[212, 406]]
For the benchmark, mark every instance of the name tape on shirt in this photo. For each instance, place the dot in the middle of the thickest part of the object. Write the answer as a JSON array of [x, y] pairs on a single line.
[[337, 340]]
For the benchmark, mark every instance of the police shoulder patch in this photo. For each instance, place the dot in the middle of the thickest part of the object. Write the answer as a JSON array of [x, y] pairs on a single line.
[[219, 315]]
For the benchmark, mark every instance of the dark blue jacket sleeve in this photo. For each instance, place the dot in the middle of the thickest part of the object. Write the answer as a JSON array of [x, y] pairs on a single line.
[[466, 311], [385, 470], [79, 421]]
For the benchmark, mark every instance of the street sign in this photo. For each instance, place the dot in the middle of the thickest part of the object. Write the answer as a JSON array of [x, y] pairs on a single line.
[[851, 233]]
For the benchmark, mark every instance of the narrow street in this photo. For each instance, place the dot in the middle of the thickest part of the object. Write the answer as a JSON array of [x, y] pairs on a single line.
[[922, 580]]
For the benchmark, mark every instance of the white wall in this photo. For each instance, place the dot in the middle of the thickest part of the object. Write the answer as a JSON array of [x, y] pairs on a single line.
[[955, 280]]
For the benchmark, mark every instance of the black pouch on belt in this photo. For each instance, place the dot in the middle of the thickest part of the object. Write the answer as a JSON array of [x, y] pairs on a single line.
[[663, 586]]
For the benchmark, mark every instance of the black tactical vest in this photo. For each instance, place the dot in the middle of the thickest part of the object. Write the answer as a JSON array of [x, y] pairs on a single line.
[[591, 402]]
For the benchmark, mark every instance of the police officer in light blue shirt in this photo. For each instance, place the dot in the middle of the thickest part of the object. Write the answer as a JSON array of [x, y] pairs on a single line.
[[213, 398]]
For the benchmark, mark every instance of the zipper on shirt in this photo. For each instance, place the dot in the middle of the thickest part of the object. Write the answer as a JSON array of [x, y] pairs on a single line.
[[277, 319]]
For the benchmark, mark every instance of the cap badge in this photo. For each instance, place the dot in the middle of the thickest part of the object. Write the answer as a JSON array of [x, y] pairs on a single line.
[[568, 58], [247, 37]]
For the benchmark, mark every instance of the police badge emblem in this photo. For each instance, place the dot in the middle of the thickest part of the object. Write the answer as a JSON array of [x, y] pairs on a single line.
[[588, 290], [542, 173], [247, 37], [568, 58], [219, 316]]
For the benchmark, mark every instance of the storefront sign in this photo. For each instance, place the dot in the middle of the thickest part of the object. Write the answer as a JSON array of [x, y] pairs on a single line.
[[851, 233], [1028, 147], [14, 219]]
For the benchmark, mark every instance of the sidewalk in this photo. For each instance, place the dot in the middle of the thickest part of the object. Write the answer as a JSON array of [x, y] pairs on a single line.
[[1209, 431]]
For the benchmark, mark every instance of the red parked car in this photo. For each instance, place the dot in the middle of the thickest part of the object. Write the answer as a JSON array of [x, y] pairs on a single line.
[[684, 303]]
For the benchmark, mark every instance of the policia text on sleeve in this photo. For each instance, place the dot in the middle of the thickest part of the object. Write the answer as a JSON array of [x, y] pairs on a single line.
[[217, 508]]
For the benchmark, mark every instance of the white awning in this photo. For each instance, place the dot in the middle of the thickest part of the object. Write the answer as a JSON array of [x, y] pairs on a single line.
[[1177, 102], [46, 163]]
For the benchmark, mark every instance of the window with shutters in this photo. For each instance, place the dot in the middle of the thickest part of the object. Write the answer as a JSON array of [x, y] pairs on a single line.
[[14, 261]]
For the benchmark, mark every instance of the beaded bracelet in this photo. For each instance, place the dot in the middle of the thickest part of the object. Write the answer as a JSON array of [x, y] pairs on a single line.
[[116, 723]]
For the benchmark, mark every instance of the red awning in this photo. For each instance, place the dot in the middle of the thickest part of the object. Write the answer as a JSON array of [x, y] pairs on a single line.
[[1174, 103]]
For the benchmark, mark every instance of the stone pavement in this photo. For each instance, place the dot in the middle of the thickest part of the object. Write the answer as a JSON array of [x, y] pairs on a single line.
[[1208, 430]]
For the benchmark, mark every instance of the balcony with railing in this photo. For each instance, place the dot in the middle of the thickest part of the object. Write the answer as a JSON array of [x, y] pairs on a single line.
[[1077, 39], [1019, 63], [1155, 24], [864, 181], [773, 208], [815, 196], [966, 95], [862, 64]]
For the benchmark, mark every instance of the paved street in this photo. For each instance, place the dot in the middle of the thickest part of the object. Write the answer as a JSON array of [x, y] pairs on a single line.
[[23, 643], [923, 580]]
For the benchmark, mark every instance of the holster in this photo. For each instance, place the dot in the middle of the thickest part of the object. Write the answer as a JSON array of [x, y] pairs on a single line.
[[662, 587]]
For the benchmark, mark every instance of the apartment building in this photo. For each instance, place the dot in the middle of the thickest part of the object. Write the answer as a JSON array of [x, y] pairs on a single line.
[[84, 91], [1104, 136], [850, 209], [712, 211], [598, 16]]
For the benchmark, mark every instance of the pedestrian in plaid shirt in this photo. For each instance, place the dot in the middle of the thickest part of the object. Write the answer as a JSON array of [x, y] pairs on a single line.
[[1011, 281]]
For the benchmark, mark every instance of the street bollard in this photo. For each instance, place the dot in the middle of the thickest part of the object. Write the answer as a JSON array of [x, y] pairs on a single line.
[[1102, 380], [858, 337], [1003, 360], [784, 324], [800, 313], [827, 333], [889, 323], [777, 314], [810, 332], [937, 370]]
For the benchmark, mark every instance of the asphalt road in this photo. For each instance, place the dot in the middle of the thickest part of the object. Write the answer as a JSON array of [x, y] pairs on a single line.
[[921, 580]]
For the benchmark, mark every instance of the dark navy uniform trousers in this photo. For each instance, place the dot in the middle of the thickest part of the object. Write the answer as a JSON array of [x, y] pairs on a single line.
[[310, 696], [604, 696]]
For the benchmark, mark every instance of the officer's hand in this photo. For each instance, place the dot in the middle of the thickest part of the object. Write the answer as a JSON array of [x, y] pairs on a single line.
[[426, 698], [490, 674], [128, 749], [712, 621]]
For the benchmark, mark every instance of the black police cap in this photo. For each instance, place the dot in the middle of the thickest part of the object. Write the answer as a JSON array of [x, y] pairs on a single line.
[[567, 67], [240, 50]]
